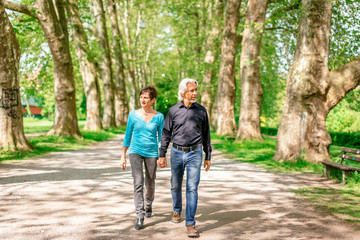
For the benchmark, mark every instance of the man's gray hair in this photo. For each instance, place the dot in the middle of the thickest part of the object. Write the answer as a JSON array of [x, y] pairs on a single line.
[[183, 87]]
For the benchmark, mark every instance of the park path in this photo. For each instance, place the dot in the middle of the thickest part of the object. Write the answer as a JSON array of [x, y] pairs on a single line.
[[84, 194]]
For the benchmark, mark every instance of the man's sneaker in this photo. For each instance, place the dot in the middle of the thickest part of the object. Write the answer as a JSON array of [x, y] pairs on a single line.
[[192, 231], [148, 212], [176, 217]]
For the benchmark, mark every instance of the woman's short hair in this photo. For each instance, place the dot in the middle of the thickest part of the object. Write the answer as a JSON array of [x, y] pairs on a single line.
[[183, 87], [151, 90]]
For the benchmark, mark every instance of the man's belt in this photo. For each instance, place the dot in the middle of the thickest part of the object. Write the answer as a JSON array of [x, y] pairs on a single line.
[[186, 149]]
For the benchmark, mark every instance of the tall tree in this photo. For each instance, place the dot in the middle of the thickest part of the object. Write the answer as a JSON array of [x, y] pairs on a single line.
[[212, 52], [225, 95], [12, 135], [52, 20], [105, 64], [251, 88], [312, 90], [121, 103], [129, 57], [87, 68]]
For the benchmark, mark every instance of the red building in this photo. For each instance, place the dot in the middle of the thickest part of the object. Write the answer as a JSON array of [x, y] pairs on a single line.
[[36, 111]]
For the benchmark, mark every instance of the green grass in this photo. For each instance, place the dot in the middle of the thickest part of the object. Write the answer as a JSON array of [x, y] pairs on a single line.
[[261, 153], [45, 144], [33, 125], [342, 202]]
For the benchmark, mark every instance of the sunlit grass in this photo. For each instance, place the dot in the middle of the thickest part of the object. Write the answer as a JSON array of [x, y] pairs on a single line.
[[261, 153], [45, 144], [33, 125], [342, 203]]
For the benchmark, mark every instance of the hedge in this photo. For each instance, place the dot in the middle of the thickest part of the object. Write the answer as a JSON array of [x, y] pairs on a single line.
[[351, 140]]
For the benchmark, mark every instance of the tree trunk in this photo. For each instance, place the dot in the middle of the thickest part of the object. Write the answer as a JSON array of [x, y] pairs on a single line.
[[212, 52], [130, 64], [65, 123], [302, 126], [121, 104], [12, 137], [105, 64], [87, 69], [251, 88], [225, 96]]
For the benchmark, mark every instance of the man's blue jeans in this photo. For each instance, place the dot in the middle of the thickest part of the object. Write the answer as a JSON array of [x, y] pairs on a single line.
[[191, 161]]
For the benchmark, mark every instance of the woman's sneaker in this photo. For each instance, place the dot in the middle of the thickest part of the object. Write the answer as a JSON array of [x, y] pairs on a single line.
[[148, 212]]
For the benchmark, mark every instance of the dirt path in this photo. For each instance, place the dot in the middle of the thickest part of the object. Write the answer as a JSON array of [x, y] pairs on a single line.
[[85, 195]]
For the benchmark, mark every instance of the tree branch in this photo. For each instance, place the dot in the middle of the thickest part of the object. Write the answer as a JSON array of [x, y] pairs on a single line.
[[342, 81], [21, 8], [295, 5]]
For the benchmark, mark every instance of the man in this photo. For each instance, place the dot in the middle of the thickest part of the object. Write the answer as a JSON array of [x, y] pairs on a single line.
[[187, 127]]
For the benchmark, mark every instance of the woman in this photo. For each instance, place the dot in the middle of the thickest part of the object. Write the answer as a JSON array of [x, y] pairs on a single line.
[[143, 133]]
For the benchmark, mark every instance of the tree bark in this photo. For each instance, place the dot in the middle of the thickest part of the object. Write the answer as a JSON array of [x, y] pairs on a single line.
[[302, 131], [65, 123], [12, 137], [225, 96], [105, 64], [121, 103], [130, 64], [212, 52], [87, 69], [251, 88]]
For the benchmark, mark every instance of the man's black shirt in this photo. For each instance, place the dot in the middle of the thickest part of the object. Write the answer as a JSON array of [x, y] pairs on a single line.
[[186, 126]]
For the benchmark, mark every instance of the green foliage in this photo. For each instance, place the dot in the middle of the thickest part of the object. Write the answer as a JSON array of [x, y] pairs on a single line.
[[345, 33], [351, 140], [269, 131], [345, 117]]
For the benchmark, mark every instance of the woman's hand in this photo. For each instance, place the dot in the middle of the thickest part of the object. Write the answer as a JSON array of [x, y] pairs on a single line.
[[161, 162], [123, 162]]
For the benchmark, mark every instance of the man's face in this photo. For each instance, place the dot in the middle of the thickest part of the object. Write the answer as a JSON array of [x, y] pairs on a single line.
[[191, 92]]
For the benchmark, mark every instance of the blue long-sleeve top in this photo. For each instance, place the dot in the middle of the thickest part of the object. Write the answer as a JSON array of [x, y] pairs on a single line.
[[144, 138]]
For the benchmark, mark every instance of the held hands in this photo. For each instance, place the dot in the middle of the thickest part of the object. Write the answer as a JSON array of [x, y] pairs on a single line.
[[123, 162], [162, 162], [207, 165]]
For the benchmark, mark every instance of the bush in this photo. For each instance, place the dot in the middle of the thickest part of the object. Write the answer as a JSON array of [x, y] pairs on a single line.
[[351, 140], [269, 131], [346, 139]]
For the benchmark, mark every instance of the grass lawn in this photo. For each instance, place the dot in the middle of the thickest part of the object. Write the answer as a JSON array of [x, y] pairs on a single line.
[[342, 203], [45, 144], [33, 125]]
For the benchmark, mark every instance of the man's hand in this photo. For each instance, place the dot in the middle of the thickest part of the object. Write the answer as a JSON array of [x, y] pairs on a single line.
[[123, 162], [207, 164], [162, 162]]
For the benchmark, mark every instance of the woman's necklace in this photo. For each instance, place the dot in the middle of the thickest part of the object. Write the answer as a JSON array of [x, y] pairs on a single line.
[[146, 113]]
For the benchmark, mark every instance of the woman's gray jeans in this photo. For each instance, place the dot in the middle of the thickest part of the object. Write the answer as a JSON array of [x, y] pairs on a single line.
[[137, 163]]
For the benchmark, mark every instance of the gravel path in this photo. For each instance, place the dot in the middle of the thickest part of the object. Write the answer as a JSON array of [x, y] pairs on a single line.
[[84, 194]]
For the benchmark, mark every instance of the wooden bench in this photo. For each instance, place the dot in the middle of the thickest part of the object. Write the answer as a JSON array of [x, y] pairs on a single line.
[[349, 154]]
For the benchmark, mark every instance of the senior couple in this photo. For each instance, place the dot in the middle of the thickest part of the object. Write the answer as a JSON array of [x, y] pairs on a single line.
[[187, 127]]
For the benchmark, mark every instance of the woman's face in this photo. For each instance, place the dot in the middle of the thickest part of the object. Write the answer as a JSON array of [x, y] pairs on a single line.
[[145, 100]]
